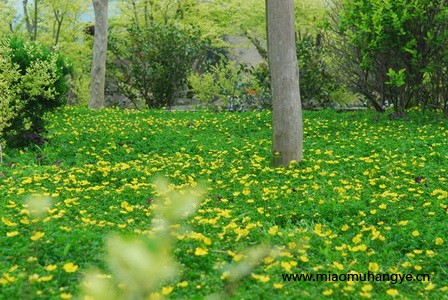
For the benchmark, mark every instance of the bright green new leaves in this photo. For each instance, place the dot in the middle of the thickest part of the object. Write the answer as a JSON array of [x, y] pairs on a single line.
[[405, 36], [9, 104], [396, 78], [32, 81]]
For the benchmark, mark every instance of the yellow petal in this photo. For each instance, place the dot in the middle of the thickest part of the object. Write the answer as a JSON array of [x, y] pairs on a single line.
[[70, 267]]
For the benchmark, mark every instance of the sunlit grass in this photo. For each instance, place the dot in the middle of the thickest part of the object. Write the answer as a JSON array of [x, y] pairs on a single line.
[[370, 195]]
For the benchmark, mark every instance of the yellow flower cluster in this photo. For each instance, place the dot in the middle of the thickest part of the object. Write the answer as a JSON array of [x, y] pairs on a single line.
[[355, 204]]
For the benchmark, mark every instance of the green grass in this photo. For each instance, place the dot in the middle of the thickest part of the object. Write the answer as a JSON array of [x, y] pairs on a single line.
[[371, 193]]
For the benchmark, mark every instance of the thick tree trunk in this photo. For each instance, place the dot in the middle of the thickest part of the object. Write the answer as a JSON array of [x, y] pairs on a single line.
[[287, 144], [98, 73]]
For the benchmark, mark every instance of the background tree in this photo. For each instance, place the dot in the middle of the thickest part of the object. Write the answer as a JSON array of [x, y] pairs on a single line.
[[98, 73], [393, 52], [152, 61], [9, 11], [287, 144]]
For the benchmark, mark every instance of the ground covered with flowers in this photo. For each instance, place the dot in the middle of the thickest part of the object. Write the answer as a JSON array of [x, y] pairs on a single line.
[[371, 195]]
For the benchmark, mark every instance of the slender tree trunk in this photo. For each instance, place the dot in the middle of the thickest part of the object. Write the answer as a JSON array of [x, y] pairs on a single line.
[[59, 17], [98, 73], [287, 140], [29, 27], [35, 21]]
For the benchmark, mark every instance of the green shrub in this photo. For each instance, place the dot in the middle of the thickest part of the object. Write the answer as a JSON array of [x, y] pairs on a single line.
[[261, 84], [249, 87], [393, 52], [32, 82], [234, 87], [151, 63], [316, 83], [222, 85]]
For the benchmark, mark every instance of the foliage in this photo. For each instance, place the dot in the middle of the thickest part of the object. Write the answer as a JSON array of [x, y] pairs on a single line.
[[151, 63], [225, 85], [60, 25], [33, 82], [8, 13], [367, 197], [261, 88], [394, 52], [317, 85], [238, 17], [248, 87], [142, 266]]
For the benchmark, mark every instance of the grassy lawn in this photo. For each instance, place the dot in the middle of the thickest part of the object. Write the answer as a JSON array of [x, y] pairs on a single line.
[[370, 196]]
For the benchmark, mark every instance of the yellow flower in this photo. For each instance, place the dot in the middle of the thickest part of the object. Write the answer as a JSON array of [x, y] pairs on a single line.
[[261, 278], [357, 239], [367, 288], [374, 267], [304, 258], [328, 292], [200, 251], [338, 265], [439, 241], [415, 233], [344, 227], [166, 290], [12, 233], [37, 235], [278, 286], [50, 267], [182, 284], [46, 278], [365, 295], [70, 267], [286, 265], [392, 292], [225, 275], [66, 296], [9, 278], [8, 222], [268, 259], [207, 241], [273, 230]]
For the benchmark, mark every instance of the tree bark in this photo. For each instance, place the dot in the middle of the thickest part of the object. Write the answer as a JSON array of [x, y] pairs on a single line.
[[59, 17], [287, 139], [35, 21], [29, 27], [98, 73]]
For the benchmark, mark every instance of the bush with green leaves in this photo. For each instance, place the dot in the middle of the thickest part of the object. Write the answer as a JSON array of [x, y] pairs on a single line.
[[224, 86], [317, 85], [151, 62], [248, 87], [394, 51], [32, 82]]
